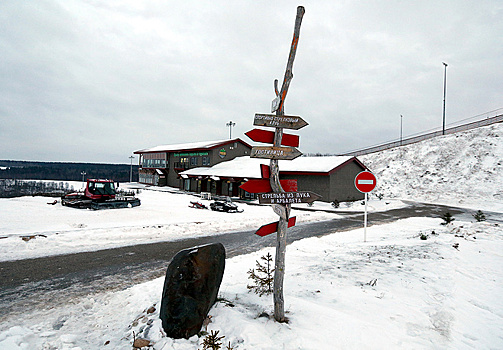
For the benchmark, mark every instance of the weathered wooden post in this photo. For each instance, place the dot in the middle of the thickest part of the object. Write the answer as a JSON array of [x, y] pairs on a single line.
[[276, 194], [282, 211]]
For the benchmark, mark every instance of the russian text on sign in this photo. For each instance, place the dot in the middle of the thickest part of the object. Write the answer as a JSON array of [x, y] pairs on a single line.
[[288, 197], [287, 153], [272, 120]]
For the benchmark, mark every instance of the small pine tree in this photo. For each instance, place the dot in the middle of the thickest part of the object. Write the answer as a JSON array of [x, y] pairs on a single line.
[[448, 218], [479, 216], [263, 277], [212, 341]]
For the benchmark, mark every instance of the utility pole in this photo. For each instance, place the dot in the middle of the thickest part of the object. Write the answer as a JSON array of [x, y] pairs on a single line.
[[401, 117], [131, 169], [83, 174], [443, 114], [230, 125]]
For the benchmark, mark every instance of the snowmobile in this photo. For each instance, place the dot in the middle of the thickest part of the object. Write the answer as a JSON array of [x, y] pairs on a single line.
[[225, 205], [100, 194]]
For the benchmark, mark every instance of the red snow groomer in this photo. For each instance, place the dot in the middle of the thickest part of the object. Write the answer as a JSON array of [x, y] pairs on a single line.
[[100, 194]]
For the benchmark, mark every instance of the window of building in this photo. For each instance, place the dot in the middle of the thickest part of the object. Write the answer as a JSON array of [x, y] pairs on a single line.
[[206, 160], [153, 160], [193, 161]]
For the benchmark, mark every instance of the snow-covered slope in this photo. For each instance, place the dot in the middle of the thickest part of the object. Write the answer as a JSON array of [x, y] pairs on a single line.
[[462, 169]]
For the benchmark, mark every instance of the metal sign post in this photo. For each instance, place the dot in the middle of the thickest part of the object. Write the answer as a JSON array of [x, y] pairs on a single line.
[[365, 182]]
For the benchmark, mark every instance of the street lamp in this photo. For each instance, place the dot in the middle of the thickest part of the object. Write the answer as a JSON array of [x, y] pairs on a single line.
[[230, 125], [443, 114], [401, 117], [83, 174], [131, 169]]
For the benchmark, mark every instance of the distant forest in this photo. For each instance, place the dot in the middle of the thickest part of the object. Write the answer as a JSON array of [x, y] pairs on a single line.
[[13, 169]]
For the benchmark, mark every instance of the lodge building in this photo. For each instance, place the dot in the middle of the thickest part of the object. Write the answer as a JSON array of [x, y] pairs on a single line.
[[220, 167], [331, 177], [161, 165]]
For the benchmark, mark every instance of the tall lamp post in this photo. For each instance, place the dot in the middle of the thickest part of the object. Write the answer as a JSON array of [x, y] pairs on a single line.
[[401, 117], [131, 169], [230, 125], [443, 114], [83, 174]]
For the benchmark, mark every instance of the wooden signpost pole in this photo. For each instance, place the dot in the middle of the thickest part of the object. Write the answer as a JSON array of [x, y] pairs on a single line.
[[282, 210]]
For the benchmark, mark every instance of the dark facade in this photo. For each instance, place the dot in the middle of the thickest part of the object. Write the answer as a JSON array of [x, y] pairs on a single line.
[[334, 185], [161, 165], [334, 180], [216, 186]]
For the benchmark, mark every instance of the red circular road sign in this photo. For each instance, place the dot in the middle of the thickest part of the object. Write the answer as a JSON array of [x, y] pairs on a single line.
[[365, 182]]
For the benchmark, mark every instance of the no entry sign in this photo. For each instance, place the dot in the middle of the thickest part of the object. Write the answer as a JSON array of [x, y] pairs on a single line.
[[365, 182]]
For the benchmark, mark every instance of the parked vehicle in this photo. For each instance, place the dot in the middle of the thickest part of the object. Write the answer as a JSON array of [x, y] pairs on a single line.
[[100, 194], [225, 205]]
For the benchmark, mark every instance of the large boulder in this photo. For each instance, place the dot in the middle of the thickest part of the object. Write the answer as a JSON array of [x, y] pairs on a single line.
[[191, 288]]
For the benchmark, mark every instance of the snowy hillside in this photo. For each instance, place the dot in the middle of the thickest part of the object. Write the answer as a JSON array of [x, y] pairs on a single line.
[[464, 169]]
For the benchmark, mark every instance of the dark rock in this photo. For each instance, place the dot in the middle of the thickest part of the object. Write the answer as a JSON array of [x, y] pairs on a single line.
[[191, 288]]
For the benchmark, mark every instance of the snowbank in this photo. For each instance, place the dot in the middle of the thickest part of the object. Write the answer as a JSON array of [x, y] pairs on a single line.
[[394, 292], [463, 169]]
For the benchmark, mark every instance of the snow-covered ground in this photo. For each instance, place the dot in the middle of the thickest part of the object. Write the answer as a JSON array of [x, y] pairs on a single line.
[[395, 291], [164, 215]]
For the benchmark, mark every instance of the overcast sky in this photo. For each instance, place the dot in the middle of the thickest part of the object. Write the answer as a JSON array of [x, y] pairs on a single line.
[[94, 81]]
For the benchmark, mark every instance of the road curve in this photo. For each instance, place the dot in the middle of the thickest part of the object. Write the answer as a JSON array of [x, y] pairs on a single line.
[[32, 282]]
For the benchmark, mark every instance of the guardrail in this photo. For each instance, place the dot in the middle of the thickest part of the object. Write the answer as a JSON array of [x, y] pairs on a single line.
[[414, 139]]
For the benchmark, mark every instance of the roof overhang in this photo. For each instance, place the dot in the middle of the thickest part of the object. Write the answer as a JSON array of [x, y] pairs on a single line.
[[191, 147]]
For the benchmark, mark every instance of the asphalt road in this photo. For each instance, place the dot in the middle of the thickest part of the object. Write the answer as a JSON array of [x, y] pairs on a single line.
[[32, 283]]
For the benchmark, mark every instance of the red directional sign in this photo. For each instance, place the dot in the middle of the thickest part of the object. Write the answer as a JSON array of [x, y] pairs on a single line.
[[265, 136], [273, 227], [265, 170], [264, 185], [365, 182]]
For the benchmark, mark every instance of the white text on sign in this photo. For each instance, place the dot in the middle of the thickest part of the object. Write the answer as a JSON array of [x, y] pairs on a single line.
[[275, 121], [288, 197]]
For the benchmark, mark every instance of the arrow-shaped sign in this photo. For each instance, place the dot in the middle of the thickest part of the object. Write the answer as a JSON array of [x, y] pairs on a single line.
[[265, 171], [266, 136], [287, 197], [279, 121], [285, 153], [265, 230], [264, 185]]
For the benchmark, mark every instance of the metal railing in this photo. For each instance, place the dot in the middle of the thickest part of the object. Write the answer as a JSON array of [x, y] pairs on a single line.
[[413, 139]]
